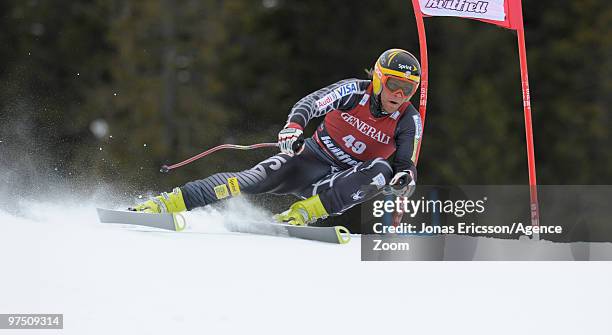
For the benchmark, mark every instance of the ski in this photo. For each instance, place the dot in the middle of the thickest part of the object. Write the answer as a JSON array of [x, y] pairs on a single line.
[[176, 222], [166, 221]]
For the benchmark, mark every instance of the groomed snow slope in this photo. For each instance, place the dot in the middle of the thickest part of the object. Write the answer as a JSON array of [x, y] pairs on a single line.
[[107, 280]]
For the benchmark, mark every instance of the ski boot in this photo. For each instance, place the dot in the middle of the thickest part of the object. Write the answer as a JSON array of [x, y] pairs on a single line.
[[163, 203], [303, 212]]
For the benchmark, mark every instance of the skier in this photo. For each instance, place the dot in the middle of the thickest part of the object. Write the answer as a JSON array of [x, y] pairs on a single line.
[[344, 162]]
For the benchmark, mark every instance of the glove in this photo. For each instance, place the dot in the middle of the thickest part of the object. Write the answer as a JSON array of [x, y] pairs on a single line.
[[291, 139], [403, 183]]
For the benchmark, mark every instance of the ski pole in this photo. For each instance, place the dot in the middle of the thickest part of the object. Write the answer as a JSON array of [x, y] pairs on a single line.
[[166, 168]]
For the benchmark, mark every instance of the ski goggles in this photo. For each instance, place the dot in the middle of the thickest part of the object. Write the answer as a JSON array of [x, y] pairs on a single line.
[[405, 87]]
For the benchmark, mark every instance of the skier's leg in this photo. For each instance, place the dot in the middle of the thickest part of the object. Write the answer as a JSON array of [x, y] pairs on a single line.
[[280, 174], [354, 186], [338, 192], [258, 179]]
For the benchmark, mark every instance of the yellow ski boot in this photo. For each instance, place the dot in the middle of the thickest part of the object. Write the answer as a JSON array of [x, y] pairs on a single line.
[[303, 212], [163, 203]]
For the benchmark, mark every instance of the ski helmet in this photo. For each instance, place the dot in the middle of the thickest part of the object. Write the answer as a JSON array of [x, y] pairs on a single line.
[[396, 63]]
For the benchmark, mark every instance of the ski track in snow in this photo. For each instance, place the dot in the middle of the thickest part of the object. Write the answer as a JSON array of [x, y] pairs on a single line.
[[57, 258]]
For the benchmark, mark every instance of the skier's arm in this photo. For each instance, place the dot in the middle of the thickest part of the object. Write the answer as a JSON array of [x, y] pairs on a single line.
[[408, 135], [344, 94]]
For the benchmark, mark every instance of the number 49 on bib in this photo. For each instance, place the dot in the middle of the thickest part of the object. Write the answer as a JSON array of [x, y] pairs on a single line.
[[357, 147]]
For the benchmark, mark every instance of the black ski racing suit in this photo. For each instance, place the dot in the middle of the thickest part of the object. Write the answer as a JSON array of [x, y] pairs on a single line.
[[341, 179]]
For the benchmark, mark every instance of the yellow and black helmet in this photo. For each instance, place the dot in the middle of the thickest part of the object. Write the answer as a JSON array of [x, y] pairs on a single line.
[[395, 63]]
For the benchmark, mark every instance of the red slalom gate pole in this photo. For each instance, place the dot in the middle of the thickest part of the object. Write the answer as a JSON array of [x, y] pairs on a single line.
[[533, 190], [397, 215], [424, 70]]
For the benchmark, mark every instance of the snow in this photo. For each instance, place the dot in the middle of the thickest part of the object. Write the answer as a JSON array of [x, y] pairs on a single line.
[[56, 258]]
